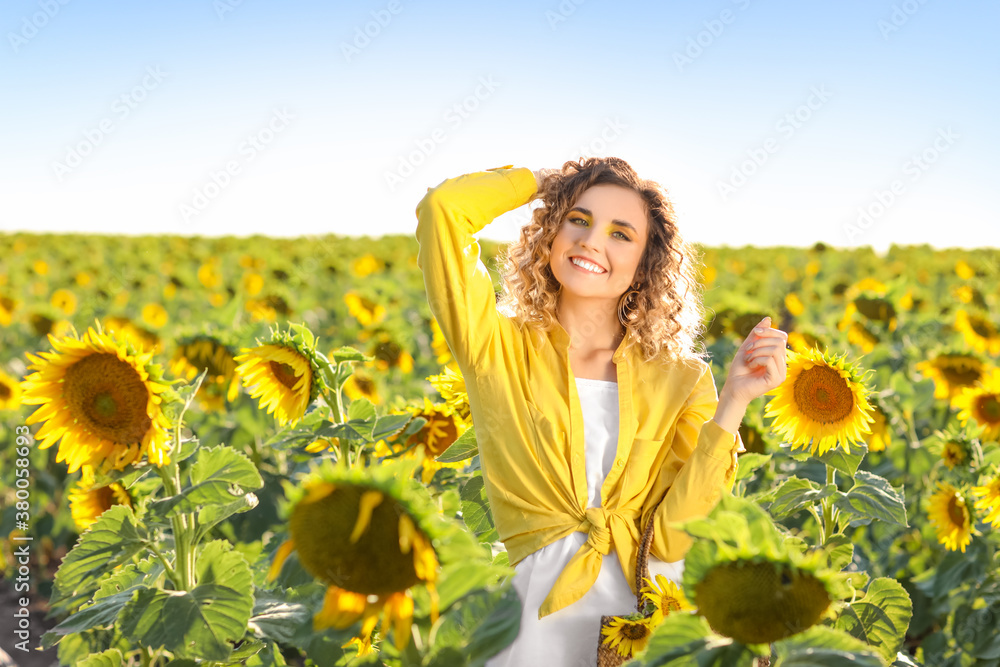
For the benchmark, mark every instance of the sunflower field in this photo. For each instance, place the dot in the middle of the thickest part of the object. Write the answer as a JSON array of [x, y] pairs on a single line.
[[259, 451]]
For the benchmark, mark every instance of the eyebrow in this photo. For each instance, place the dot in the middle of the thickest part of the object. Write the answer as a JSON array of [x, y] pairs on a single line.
[[620, 223]]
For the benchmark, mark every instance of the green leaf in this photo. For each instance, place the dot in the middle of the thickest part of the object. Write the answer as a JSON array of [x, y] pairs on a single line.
[[796, 493], [116, 589], [303, 331], [499, 621], [844, 462], [200, 623], [219, 476], [347, 353], [389, 425], [110, 541], [212, 515], [279, 619], [822, 646], [871, 497], [678, 639], [841, 551], [361, 409], [459, 579], [465, 447], [475, 510], [881, 617], [110, 658], [749, 463]]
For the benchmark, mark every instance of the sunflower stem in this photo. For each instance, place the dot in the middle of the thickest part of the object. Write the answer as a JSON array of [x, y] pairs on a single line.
[[828, 518]]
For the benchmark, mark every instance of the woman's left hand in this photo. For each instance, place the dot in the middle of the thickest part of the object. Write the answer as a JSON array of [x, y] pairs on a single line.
[[759, 364]]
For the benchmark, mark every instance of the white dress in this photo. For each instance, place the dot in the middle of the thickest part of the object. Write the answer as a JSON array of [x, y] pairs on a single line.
[[568, 637]]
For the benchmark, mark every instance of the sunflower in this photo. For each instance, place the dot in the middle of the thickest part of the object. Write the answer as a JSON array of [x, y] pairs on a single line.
[[953, 454], [982, 405], [64, 301], [979, 332], [881, 435], [366, 312], [195, 354], [952, 372], [442, 429], [757, 590], [155, 315], [989, 500], [822, 403], [451, 385], [802, 340], [365, 266], [359, 385], [388, 354], [963, 270], [627, 635], [252, 283], [950, 515], [102, 399], [369, 538], [666, 597], [439, 345], [10, 392], [87, 502], [285, 372], [860, 335], [124, 328], [209, 274], [7, 308], [794, 304]]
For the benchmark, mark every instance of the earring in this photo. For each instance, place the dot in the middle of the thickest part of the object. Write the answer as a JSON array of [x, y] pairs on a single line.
[[623, 309]]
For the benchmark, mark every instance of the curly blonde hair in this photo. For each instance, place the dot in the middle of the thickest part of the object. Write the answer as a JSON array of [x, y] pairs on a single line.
[[665, 318]]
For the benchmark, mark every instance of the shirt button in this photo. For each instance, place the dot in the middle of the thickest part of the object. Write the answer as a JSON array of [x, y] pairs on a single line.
[[619, 463]]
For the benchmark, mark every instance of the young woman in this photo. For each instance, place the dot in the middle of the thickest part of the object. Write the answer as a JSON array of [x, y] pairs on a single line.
[[590, 400]]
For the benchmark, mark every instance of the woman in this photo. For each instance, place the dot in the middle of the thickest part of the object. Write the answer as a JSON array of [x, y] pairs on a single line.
[[590, 402]]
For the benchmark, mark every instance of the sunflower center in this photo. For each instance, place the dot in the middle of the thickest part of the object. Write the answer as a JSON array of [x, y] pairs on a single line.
[[961, 373], [823, 395], [670, 604], [284, 374], [635, 631], [760, 602], [373, 564], [988, 408], [981, 327], [104, 498], [107, 395], [5, 391], [956, 511]]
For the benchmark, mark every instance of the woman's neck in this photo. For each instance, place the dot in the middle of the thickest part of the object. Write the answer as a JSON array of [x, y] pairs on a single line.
[[591, 328]]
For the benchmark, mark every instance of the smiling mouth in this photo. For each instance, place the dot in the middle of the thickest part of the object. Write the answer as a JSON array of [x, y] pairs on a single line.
[[584, 265]]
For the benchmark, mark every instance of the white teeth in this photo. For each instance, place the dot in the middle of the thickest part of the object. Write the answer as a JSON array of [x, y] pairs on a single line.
[[587, 265]]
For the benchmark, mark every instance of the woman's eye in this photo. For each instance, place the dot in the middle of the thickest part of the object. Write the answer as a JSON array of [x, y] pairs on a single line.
[[624, 236], [577, 220]]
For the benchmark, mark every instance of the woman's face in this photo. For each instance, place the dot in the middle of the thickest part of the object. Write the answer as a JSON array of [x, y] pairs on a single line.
[[607, 226]]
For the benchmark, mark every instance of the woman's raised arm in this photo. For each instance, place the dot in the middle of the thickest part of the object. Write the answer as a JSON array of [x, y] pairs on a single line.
[[459, 289]]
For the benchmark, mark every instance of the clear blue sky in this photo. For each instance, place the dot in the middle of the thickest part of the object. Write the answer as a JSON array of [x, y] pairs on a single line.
[[769, 123]]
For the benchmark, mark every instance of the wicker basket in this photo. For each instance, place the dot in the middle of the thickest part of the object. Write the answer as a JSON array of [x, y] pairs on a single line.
[[608, 656]]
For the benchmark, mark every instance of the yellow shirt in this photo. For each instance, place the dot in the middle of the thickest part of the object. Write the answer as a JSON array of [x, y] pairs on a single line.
[[527, 416]]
